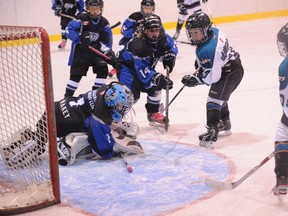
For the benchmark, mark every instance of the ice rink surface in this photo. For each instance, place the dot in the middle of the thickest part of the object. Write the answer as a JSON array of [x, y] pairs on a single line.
[[255, 112]]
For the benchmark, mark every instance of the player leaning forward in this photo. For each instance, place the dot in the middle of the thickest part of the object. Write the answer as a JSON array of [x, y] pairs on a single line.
[[219, 67], [90, 122]]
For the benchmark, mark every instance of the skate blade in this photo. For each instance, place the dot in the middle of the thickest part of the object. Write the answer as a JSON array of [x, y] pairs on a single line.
[[207, 144], [159, 126], [224, 133]]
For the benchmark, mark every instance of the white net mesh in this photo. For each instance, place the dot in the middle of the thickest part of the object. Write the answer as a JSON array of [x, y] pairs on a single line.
[[25, 177]]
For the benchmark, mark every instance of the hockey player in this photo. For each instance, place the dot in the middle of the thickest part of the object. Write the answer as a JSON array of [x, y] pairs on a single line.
[[219, 66], [281, 138], [90, 29], [186, 7], [139, 59], [86, 122], [132, 25], [66, 10]]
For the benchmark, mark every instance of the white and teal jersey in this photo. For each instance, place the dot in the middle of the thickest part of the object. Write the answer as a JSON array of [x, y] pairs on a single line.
[[283, 85], [213, 55]]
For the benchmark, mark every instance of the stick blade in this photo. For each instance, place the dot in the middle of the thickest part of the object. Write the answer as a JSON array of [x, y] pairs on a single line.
[[218, 184]]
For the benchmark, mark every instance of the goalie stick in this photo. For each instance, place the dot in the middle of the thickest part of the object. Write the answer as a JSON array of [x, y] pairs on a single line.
[[129, 168], [232, 185], [167, 102]]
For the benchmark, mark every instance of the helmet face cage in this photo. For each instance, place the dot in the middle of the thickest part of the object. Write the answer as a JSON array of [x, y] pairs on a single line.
[[147, 7], [282, 41], [120, 100], [96, 3], [199, 21], [152, 24]]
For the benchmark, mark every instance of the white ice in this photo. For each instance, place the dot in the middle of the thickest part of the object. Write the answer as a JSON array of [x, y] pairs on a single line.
[[255, 112]]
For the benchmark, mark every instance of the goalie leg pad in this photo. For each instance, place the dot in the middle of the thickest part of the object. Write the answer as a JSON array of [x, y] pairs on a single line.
[[75, 146]]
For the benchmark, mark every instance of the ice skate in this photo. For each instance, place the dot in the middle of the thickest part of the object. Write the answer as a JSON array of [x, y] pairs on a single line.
[[62, 44], [224, 128], [157, 120], [208, 139], [280, 189], [112, 72]]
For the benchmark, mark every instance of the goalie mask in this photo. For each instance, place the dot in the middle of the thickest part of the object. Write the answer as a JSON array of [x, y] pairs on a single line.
[[198, 28], [94, 8], [147, 7], [152, 28], [282, 41], [120, 100]]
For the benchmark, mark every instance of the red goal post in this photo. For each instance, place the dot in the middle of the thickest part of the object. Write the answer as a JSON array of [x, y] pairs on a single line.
[[26, 94]]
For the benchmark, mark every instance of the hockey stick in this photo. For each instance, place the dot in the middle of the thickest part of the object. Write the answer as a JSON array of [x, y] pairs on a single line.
[[184, 42], [167, 102], [232, 185], [210, 14], [129, 168], [167, 106], [67, 16], [115, 25], [99, 53]]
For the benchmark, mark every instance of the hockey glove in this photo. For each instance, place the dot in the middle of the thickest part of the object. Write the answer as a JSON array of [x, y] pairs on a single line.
[[182, 9], [85, 40], [191, 81], [162, 81], [113, 60], [169, 59], [57, 11]]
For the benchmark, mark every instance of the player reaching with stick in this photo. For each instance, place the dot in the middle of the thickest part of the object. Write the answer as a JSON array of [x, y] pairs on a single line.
[[219, 67], [66, 9], [139, 59], [91, 29]]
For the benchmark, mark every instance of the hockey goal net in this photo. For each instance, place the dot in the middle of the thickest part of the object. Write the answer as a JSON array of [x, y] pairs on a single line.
[[28, 175]]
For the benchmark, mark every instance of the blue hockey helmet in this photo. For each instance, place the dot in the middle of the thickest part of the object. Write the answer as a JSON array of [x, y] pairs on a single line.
[[198, 28], [282, 41], [120, 100]]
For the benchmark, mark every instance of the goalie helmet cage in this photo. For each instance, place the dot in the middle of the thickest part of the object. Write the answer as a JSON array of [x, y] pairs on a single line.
[[26, 94]]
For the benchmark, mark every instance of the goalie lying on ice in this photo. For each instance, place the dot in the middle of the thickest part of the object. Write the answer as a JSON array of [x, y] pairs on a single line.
[[92, 120]]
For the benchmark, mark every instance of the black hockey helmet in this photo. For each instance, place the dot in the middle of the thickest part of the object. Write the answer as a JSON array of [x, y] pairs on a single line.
[[282, 40], [147, 7], [152, 22], [199, 21], [98, 3]]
